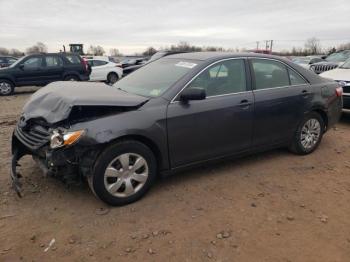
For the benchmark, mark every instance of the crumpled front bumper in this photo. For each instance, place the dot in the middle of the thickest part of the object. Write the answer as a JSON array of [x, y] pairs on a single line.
[[15, 177], [65, 163]]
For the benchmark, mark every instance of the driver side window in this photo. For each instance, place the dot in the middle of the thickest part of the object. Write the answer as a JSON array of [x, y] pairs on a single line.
[[32, 63], [222, 78]]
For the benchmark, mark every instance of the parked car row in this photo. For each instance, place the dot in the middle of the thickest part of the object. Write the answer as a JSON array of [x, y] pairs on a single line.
[[6, 61], [156, 56], [320, 64]]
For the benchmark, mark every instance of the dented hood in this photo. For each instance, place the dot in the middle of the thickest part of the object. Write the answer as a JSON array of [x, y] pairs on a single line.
[[55, 101]]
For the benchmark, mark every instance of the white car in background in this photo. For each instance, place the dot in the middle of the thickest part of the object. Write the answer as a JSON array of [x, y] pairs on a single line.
[[102, 70], [342, 75]]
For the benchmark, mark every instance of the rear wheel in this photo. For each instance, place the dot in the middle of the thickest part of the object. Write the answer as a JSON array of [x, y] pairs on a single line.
[[308, 135], [71, 78], [123, 173], [6, 87], [112, 78]]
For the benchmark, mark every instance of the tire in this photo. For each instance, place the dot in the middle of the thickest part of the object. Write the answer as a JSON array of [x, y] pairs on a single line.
[[112, 78], [305, 143], [6, 87], [71, 78], [125, 186]]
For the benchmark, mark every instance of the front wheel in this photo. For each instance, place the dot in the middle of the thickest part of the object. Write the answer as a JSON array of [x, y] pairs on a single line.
[[308, 134], [123, 173], [6, 88]]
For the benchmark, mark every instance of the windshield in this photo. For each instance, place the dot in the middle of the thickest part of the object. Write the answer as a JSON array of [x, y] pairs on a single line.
[[155, 78], [157, 56], [346, 64], [17, 61], [338, 57]]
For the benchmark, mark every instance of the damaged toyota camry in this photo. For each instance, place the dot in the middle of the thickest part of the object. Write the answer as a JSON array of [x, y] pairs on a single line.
[[176, 112]]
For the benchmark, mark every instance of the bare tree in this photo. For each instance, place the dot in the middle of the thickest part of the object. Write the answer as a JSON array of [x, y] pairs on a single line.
[[185, 47], [15, 52], [96, 50], [114, 52], [4, 51], [39, 47], [344, 46], [149, 51], [313, 46]]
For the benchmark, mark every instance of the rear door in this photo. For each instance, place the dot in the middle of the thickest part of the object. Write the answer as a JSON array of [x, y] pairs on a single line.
[[282, 96], [54, 67], [219, 125], [99, 70]]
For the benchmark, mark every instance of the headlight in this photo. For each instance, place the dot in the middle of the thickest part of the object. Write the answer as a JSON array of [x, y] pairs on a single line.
[[58, 139]]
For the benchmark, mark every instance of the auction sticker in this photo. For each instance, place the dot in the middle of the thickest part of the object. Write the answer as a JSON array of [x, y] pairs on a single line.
[[186, 64]]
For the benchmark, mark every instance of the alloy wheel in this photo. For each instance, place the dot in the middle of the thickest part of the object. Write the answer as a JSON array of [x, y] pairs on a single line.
[[310, 133], [126, 174], [5, 88]]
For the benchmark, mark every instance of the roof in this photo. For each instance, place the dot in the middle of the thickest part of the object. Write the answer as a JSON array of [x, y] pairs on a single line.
[[217, 55]]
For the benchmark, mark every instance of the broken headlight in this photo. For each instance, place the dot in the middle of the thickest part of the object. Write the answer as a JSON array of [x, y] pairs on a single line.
[[59, 139]]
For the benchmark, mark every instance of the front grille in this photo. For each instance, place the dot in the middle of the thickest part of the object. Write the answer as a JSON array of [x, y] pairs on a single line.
[[318, 69], [34, 137]]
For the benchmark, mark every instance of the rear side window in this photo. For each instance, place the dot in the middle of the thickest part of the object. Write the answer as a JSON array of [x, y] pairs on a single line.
[[269, 74], [73, 59], [53, 61], [99, 63], [222, 78], [295, 79]]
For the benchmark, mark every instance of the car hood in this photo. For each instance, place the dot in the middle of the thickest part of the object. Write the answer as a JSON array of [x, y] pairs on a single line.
[[55, 101], [337, 74]]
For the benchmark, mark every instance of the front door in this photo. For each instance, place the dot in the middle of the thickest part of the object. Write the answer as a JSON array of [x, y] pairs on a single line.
[[217, 126], [30, 71]]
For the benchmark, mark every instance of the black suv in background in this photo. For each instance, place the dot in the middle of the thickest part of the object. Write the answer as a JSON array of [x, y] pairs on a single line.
[[41, 69], [6, 61]]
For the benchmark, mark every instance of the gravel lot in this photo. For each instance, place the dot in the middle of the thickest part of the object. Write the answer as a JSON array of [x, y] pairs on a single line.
[[274, 206]]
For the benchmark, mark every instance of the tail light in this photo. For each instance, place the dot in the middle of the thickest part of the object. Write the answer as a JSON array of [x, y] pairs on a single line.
[[85, 64], [339, 91]]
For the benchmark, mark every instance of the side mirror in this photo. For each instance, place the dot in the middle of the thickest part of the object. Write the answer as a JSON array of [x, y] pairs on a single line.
[[21, 66], [193, 93]]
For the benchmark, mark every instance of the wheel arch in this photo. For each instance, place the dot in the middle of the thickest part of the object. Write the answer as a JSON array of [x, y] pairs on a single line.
[[71, 73], [8, 79], [113, 72], [161, 162], [322, 112]]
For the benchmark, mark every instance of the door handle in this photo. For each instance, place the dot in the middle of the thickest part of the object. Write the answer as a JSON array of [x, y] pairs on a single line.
[[305, 93], [245, 103]]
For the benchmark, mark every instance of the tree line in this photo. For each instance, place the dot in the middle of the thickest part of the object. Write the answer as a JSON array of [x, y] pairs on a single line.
[[312, 46]]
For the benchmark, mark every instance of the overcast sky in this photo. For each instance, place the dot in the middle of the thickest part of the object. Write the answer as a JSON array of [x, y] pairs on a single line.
[[132, 25]]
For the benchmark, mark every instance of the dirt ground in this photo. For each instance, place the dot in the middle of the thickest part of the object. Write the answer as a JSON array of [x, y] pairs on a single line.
[[274, 206]]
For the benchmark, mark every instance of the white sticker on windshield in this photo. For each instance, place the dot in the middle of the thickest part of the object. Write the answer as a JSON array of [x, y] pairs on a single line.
[[186, 64]]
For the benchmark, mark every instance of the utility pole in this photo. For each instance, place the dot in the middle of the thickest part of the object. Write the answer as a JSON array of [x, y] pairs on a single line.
[[271, 43], [257, 45]]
